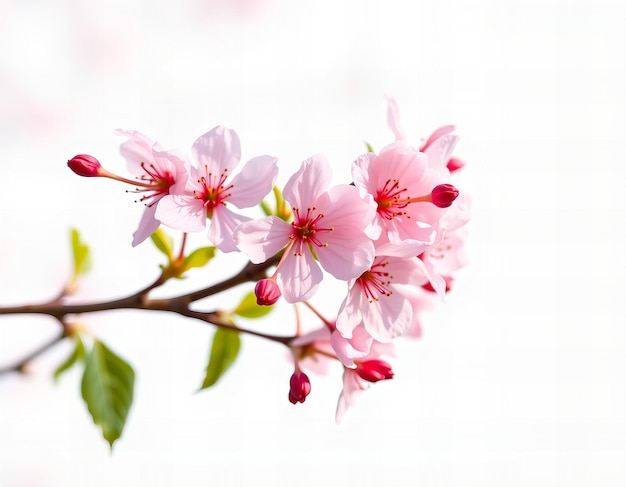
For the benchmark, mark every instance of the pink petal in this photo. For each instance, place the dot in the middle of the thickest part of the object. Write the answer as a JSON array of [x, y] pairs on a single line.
[[439, 148], [298, 277], [388, 318], [182, 212], [399, 161], [218, 149], [361, 172], [352, 389], [137, 149], [222, 228], [343, 259], [262, 239], [438, 133], [349, 252], [312, 179], [147, 225], [254, 182], [355, 348], [176, 164], [349, 315], [393, 119], [320, 334]]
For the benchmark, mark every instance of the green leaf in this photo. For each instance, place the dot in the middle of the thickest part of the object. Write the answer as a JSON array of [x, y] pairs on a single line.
[[107, 389], [199, 257], [369, 147], [226, 344], [77, 354], [248, 308], [163, 242], [80, 251]]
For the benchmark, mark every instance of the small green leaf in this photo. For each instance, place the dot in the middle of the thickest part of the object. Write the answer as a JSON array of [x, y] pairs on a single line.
[[282, 208], [199, 257], [107, 388], [369, 147], [77, 354], [248, 308], [80, 251], [163, 242], [226, 344]]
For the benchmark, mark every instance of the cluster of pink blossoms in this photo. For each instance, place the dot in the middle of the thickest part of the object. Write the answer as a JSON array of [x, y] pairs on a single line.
[[395, 235]]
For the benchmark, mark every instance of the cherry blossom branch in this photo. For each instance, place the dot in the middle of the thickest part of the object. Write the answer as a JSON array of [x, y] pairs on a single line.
[[139, 300]]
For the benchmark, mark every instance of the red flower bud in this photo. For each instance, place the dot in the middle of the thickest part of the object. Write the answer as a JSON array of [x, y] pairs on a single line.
[[444, 195], [84, 165], [299, 387], [454, 164], [374, 370], [266, 292]]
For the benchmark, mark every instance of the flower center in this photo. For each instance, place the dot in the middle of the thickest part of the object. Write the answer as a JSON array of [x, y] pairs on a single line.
[[213, 190], [153, 184], [390, 203], [376, 282], [306, 230]]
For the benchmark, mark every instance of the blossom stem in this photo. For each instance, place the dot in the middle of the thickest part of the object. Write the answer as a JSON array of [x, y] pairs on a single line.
[[181, 254], [326, 322]]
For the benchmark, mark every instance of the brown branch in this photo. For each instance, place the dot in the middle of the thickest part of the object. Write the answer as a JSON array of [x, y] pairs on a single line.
[[139, 300]]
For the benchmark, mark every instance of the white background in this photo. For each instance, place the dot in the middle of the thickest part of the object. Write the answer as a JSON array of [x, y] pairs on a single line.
[[520, 378]]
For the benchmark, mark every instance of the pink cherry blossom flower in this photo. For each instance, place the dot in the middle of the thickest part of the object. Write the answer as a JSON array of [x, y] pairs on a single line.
[[316, 350], [368, 370], [158, 173], [379, 300], [438, 146], [447, 255], [329, 225], [211, 187], [401, 183]]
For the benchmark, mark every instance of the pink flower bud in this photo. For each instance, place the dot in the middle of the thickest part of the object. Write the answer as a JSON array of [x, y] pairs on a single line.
[[267, 292], [374, 370], [84, 165], [299, 387], [444, 195], [454, 164]]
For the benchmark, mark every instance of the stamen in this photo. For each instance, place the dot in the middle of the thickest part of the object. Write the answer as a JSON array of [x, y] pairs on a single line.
[[305, 230], [389, 201], [213, 190], [153, 185], [376, 282]]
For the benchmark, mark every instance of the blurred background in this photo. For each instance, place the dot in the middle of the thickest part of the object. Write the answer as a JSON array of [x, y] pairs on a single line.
[[520, 376]]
